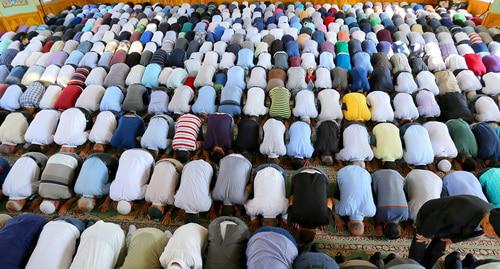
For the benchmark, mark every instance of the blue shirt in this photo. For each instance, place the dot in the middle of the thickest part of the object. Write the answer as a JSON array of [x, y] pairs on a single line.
[[112, 99], [150, 75], [300, 145], [205, 103], [462, 183], [93, 180], [129, 128], [356, 200]]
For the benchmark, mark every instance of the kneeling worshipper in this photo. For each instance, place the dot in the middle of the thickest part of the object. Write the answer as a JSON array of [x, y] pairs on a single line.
[[94, 179], [421, 185], [459, 182], [181, 99], [454, 105], [380, 106], [404, 108], [22, 181], [356, 142], [102, 131], [305, 105], [309, 204], [112, 99], [490, 181], [426, 104], [130, 127], [232, 185], [308, 260], [280, 103], [159, 133], [136, 98], [185, 141], [269, 195], [144, 247], [273, 142], [463, 138], [4, 171], [403, 263], [193, 195], [248, 137], [488, 142], [255, 102], [18, 238], [185, 248], [271, 248], [355, 108], [227, 242], [132, 176], [56, 182], [327, 142], [485, 109], [387, 142], [300, 145], [72, 129], [388, 191], [161, 188], [218, 137], [438, 226], [57, 244], [100, 246], [40, 132], [329, 103], [441, 141], [356, 200], [13, 129], [417, 144]]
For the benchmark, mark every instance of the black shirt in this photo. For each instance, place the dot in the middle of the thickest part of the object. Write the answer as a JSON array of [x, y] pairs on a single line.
[[248, 136], [454, 217], [327, 139]]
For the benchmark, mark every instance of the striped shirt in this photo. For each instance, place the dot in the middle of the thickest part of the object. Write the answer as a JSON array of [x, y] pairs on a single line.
[[187, 129], [280, 103]]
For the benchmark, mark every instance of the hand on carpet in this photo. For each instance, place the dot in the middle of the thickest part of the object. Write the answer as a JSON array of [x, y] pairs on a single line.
[[422, 239]]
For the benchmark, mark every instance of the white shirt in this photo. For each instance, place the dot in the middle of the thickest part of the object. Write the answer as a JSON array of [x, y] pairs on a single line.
[[164, 181], [269, 194], [55, 246], [491, 82], [100, 246], [13, 128], [305, 105], [133, 172], [255, 103], [380, 106], [273, 144], [103, 128], [330, 105], [404, 108], [50, 96], [185, 247], [418, 146], [356, 142], [179, 103], [487, 109], [468, 81], [193, 194], [71, 128], [22, 180], [41, 130], [426, 80], [421, 186], [90, 98], [405, 83], [427, 105], [441, 141]]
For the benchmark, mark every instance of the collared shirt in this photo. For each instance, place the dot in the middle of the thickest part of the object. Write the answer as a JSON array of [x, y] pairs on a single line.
[[133, 173], [421, 186], [185, 247], [461, 183], [100, 245], [356, 200], [193, 194]]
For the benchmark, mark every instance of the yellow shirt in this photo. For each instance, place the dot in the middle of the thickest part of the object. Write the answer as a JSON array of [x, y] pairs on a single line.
[[388, 146], [357, 109]]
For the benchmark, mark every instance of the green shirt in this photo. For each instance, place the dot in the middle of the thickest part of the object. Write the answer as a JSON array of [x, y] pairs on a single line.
[[145, 248], [463, 137], [490, 181], [280, 103]]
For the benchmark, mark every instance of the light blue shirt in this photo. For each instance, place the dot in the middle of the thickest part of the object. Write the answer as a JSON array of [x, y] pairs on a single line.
[[112, 99], [356, 200], [236, 77], [93, 179], [205, 103], [245, 58], [300, 145], [74, 58], [150, 75], [462, 183]]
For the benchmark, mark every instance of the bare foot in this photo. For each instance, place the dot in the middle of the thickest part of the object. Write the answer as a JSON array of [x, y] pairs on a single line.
[[104, 207], [35, 203], [254, 225], [166, 218], [67, 205]]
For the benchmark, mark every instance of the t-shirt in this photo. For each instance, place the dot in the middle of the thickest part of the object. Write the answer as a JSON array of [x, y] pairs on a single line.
[[388, 189], [356, 200], [463, 137], [193, 194], [490, 181], [144, 249], [421, 186], [388, 143], [280, 103], [187, 128], [461, 183]]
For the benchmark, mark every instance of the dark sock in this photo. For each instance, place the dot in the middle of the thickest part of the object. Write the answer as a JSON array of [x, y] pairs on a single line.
[[468, 261], [376, 259], [452, 261], [339, 258], [389, 258]]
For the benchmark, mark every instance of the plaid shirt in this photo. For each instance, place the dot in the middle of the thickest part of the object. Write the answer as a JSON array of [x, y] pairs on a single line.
[[33, 94]]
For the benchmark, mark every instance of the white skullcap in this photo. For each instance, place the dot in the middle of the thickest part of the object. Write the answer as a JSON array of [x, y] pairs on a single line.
[[124, 207], [48, 207], [444, 166]]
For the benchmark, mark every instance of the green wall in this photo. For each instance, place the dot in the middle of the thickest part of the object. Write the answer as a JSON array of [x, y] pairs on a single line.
[[30, 7]]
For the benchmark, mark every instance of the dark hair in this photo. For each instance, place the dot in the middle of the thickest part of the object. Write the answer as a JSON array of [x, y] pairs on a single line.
[[392, 230], [390, 165], [154, 212], [469, 165], [297, 163], [191, 218], [182, 156]]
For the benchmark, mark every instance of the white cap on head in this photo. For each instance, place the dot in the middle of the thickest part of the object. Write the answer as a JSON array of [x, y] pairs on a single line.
[[124, 207], [444, 166], [48, 207]]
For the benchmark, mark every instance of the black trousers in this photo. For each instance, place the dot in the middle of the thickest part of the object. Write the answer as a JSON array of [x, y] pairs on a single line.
[[427, 255]]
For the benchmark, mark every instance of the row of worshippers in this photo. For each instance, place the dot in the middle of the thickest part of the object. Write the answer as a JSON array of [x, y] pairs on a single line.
[[30, 241], [197, 187]]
